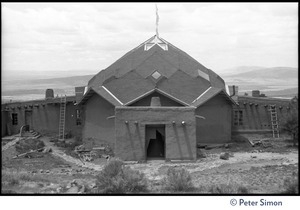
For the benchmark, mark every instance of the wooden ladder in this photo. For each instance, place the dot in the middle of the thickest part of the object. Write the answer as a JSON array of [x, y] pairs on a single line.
[[62, 118], [274, 121]]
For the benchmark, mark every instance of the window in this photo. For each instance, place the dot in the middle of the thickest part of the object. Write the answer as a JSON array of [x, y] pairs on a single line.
[[238, 117], [203, 74], [78, 117], [14, 117], [156, 75]]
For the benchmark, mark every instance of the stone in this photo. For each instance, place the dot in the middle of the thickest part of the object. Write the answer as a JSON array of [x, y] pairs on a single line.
[[73, 189], [224, 156], [82, 189], [59, 189], [201, 154]]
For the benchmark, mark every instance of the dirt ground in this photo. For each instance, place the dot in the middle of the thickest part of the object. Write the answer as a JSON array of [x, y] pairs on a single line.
[[259, 169]]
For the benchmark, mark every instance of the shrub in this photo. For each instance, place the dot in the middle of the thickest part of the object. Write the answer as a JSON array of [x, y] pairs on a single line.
[[178, 180], [135, 180], [12, 178], [117, 178], [8, 191], [291, 185], [228, 189]]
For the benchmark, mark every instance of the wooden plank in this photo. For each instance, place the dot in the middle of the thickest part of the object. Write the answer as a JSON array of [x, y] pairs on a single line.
[[26, 153]]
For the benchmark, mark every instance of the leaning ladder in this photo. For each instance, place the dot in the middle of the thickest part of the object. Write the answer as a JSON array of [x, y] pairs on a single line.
[[274, 121], [62, 118]]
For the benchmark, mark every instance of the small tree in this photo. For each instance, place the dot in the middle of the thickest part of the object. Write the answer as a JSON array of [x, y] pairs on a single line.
[[291, 123]]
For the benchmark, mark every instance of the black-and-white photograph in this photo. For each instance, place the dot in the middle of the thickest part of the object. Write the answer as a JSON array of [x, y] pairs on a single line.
[[150, 99]]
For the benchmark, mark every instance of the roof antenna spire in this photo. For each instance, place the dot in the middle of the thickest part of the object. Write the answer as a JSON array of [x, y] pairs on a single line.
[[157, 19]]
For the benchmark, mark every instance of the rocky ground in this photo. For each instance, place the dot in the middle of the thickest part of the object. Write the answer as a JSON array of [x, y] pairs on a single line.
[[259, 169]]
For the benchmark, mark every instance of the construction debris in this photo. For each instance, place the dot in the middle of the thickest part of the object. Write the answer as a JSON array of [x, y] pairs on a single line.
[[225, 156], [27, 154], [266, 143], [201, 154], [47, 150], [258, 142], [214, 146]]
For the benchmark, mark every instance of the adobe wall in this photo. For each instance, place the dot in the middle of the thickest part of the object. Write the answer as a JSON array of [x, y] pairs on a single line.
[[44, 119], [216, 127], [256, 114], [97, 129], [4, 121], [180, 140]]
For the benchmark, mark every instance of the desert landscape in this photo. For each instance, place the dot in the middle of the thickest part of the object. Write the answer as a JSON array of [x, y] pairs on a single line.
[[42, 164]]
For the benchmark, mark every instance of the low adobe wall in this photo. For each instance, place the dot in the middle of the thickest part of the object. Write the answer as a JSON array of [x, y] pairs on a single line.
[[256, 114], [130, 124], [42, 116]]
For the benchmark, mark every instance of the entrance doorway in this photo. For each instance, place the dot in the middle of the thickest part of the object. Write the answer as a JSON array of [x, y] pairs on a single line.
[[28, 120], [155, 141]]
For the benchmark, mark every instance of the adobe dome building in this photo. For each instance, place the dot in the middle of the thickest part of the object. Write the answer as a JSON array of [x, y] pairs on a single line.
[[156, 102]]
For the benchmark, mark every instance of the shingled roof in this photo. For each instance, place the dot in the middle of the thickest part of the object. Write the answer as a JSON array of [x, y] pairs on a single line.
[[156, 64]]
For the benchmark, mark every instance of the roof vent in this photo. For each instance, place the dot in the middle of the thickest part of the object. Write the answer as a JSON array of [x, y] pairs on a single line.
[[155, 101]]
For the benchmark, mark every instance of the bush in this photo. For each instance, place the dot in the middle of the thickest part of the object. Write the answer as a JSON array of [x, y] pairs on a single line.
[[228, 189], [12, 178], [117, 178], [178, 180], [291, 185]]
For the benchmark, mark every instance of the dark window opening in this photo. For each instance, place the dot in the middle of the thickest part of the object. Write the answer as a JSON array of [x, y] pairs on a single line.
[[14, 117], [78, 117], [238, 117]]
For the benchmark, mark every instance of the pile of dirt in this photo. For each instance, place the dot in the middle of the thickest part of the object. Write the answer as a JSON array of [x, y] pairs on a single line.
[[26, 145]]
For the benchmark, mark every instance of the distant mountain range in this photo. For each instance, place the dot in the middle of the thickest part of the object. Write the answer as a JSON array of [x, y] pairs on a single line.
[[276, 81], [268, 80], [239, 69]]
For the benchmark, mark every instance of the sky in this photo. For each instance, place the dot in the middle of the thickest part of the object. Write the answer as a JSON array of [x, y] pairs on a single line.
[[88, 37]]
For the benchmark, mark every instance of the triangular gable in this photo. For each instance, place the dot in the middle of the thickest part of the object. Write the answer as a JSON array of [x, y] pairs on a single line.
[[159, 92], [104, 93], [209, 94]]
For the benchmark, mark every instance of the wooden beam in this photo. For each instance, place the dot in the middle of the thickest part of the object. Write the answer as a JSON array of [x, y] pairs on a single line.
[[201, 117], [111, 117]]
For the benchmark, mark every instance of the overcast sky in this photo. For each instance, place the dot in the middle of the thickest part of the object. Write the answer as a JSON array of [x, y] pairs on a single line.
[[75, 36]]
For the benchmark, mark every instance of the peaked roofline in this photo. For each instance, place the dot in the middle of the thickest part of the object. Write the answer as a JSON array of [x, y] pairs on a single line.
[[104, 93], [159, 91], [209, 94]]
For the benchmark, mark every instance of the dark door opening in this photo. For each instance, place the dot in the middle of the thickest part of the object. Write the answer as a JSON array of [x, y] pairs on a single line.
[[155, 141], [28, 120]]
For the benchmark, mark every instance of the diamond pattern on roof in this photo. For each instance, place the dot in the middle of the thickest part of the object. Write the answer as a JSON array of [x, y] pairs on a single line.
[[156, 75]]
